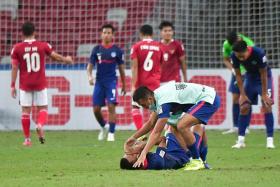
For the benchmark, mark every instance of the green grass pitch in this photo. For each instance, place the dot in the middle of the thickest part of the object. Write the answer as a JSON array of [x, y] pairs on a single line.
[[76, 158]]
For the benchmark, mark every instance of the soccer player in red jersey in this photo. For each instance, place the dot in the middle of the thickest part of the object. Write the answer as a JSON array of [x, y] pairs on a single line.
[[146, 58], [28, 57], [174, 57]]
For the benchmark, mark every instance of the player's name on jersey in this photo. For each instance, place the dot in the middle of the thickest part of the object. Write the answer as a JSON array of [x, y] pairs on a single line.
[[28, 49], [149, 47]]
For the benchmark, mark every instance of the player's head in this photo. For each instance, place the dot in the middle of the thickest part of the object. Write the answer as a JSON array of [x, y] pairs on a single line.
[[240, 50], [166, 30], [28, 29], [146, 31], [144, 97], [107, 32], [232, 37]]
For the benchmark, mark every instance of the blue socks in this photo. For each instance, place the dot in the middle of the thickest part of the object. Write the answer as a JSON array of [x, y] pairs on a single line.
[[269, 122], [235, 114], [243, 123], [194, 147], [112, 127], [203, 152]]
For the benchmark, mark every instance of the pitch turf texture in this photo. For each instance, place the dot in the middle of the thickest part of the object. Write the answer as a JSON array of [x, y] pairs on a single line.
[[76, 158]]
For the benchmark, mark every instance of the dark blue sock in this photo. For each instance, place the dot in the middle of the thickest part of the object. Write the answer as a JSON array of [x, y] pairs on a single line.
[[269, 122], [101, 122], [112, 127], [194, 147], [203, 153], [235, 114], [243, 123]]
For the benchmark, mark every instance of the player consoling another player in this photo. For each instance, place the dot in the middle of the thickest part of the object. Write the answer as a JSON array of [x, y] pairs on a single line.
[[28, 58]]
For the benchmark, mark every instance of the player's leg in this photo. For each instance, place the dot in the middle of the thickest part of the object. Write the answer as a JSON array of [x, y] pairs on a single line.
[[136, 115], [98, 100], [245, 112], [268, 116], [233, 88], [26, 105], [111, 97], [40, 100]]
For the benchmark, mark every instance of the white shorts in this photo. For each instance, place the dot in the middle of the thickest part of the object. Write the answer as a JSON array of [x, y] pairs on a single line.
[[33, 98]]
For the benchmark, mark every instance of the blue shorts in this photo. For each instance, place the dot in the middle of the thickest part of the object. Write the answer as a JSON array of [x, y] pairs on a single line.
[[253, 88], [104, 90], [233, 88], [204, 111]]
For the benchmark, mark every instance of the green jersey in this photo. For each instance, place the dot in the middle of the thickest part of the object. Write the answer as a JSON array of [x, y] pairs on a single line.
[[227, 49], [183, 93]]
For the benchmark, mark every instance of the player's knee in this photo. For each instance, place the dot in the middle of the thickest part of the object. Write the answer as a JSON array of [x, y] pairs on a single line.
[[97, 109], [235, 98], [267, 109], [245, 109], [111, 108]]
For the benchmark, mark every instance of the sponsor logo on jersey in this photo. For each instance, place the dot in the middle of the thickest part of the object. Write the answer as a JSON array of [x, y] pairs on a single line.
[[165, 56]]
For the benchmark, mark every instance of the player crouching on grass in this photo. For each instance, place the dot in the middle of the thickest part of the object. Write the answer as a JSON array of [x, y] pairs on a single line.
[[199, 102], [28, 57], [171, 152]]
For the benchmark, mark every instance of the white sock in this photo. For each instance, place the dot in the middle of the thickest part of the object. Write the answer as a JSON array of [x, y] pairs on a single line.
[[241, 139]]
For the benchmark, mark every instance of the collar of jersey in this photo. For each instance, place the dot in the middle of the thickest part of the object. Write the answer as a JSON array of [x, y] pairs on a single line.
[[31, 40], [172, 40], [107, 46], [148, 40]]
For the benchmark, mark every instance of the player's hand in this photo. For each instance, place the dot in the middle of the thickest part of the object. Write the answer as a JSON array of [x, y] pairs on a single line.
[[140, 161], [69, 60], [267, 101], [123, 92], [91, 81], [13, 92], [132, 90], [128, 143], [243, 99]]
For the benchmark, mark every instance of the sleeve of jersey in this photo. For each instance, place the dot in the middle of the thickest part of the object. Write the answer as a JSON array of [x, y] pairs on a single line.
[[93, 57], [262, 62], [14, 58], [164, 110], [235, 62], [181, 49], [48, 49], [133, 52], [120, 57], [226, 53]]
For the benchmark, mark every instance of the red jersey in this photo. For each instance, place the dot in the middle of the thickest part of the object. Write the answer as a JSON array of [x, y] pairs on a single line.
[[30, 56], [149, 55], [171, 61]]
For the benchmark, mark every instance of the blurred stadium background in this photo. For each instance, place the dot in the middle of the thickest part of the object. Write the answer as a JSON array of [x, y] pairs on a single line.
[[72, 28]]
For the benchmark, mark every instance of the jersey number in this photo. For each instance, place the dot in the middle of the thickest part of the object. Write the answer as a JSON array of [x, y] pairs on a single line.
[[32, 62], [148, 63]]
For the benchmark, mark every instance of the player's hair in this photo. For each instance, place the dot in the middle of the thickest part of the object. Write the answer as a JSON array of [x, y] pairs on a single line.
[[107, 26], [239, 46], [232, 37], [125, 164], [166, 24], [142, 93], [28, 28], [146, 30]]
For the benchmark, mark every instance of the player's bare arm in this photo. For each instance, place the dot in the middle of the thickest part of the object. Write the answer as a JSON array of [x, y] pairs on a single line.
[[153, 138], [57, 57], [122, 74], [147, 127], [243, 98], [89, 74], [228, 63], [265, 97], [184, 67], [134, 72], [14, 78]]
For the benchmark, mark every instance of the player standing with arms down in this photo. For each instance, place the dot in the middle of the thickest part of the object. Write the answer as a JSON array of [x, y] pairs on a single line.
[[174, 57], [106, 56], [146, 58], [258, 81], [28, 57], [233, 37]]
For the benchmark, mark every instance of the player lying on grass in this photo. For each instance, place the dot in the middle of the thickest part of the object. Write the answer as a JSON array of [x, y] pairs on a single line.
[[171, 152], [199, 102]]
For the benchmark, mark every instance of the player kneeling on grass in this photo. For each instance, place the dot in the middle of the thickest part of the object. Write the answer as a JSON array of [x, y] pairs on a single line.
[[28, 57], [171, 152], [199, 103]]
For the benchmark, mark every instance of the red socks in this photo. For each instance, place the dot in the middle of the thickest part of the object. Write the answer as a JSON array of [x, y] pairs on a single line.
[[137, 118], [42, 117], [25, 122]]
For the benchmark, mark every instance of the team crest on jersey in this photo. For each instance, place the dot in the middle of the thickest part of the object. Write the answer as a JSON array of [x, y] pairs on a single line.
[[171, 51], [99, 57], [113, 54], [254, 62], [165, 56]]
